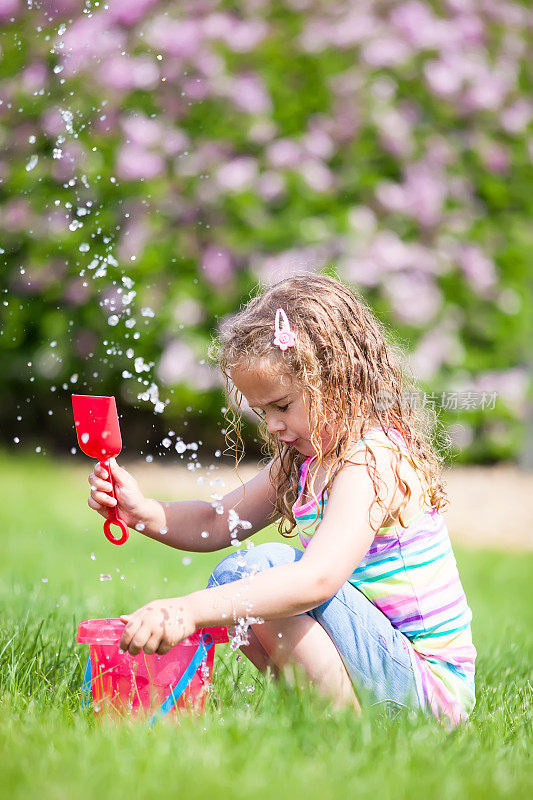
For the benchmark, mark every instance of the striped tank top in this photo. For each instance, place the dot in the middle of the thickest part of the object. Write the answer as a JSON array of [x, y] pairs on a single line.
[[411, 575]]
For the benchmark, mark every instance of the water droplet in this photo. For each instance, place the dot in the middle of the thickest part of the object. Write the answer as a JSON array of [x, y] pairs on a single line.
[[93, 557], [163, 531], [44, 580], [113, 320], [85, 438], [205, 534], [186, 561], [104, 576], [166, 442], [140, 526], [32, 163], [84, 248]]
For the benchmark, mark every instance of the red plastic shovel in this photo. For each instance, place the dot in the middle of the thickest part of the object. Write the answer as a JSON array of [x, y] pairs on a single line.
[[99, 437]]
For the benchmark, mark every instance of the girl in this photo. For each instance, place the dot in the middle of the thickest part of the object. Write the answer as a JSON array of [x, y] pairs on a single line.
[[372, 609]]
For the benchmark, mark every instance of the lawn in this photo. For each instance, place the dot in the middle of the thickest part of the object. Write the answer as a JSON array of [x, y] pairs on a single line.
[[257, 737]]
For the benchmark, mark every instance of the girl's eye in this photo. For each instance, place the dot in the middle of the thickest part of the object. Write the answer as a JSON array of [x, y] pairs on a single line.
[[262, 414]]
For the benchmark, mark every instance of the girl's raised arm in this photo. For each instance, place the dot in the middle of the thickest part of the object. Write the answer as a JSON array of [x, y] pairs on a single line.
[[183, 524]]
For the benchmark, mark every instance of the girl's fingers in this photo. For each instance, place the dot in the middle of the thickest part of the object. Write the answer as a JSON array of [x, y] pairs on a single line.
[[103, 498], [100, 471], [133, 626], [152, 644], [139, 640]]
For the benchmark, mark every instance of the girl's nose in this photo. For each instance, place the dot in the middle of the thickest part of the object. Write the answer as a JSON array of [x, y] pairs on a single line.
[[275, 426]]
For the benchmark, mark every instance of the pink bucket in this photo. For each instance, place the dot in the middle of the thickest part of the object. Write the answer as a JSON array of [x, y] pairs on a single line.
[[122, 684]]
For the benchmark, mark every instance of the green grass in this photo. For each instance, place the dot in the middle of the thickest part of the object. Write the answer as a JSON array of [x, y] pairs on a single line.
[[257, 738]]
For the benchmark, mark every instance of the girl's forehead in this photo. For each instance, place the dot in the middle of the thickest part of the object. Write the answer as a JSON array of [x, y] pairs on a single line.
[[261, 381]]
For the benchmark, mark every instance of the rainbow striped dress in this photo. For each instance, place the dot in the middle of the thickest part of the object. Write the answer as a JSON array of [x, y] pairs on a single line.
[[411, 575]]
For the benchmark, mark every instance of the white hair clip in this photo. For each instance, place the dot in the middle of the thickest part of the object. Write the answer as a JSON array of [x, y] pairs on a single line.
[[283, 337]]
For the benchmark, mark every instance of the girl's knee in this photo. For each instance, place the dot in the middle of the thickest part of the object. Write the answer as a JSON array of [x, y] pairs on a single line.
[[244, 563]]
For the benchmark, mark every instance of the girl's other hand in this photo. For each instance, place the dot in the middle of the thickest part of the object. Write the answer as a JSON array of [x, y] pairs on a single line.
[[157, 627], [130, 501]]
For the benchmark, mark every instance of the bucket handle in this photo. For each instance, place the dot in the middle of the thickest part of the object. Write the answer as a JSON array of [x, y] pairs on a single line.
[[206, 643]]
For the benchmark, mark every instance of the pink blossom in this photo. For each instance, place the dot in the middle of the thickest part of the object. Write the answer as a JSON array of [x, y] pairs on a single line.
[[317, 175], [284, 153], [495, 157], [9, 8], [271, 185], [517, 116], [52, 122], [487, 93], [180, 38], [385, 51], [217, 264], [124, 73], [245, 35], [390, 252], [438, 346], [511, 385], [177, 363], [196, 88], [249, 94], [76, 292], [89, 39], [318, 143], [414, 298], [421, 196], [417, 25], [67, 166], [15, 215], [237, 175], [262, 130], [141, 130], [34, 77], [356, 26], [477, 267], [395, 132], [217, 25], [133, 239], [174, 141], [135, 163], [188, 312], [443, 77], [128, 12]]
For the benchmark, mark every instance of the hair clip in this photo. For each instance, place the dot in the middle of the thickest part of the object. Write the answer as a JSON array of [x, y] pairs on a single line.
[[283, 338]]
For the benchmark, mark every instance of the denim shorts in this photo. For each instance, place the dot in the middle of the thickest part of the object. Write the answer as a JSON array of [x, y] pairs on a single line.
[[378, 658]]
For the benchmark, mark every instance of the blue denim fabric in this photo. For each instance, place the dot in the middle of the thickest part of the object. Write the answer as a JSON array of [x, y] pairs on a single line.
[[378, 657]]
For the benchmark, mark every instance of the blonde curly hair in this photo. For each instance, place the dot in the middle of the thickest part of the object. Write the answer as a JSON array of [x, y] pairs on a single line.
[[344, 362]]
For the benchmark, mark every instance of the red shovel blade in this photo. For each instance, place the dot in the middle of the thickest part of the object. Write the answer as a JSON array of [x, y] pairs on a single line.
[[97, 426], [98, 432]]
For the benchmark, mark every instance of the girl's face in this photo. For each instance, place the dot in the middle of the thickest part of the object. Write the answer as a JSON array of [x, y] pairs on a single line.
[[281, 405]]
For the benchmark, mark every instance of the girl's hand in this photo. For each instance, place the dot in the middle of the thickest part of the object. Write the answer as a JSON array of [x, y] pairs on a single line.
[[132, 504], [157, 626]]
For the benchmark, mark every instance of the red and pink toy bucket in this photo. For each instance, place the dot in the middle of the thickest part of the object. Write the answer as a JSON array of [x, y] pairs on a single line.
[[122, 684]]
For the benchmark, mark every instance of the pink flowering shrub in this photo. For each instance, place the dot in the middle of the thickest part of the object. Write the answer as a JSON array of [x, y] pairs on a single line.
[[157, 160]]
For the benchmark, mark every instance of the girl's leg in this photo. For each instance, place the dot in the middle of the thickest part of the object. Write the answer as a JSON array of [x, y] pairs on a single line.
[[256, 653], [300, 641], [303, 642]]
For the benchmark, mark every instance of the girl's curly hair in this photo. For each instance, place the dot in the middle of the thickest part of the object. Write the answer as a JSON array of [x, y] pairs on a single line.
[[346, 365]]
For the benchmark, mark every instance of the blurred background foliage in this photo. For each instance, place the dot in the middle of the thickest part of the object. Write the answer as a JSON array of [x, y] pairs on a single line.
[[159, 161]]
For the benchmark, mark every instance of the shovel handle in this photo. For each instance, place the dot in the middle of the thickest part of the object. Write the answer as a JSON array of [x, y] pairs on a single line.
[[112, 515]]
